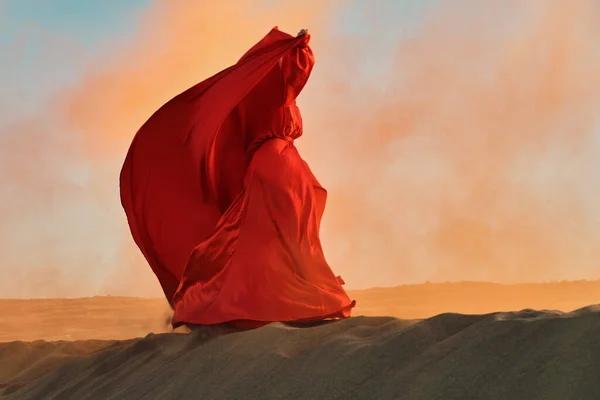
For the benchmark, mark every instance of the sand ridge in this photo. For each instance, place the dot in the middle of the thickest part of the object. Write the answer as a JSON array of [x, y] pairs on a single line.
[[518, 355]]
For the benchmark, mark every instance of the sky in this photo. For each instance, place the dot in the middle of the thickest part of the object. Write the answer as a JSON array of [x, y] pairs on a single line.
[[457, 142]]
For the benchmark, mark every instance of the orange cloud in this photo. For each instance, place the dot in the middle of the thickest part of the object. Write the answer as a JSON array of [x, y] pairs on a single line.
[[470, 159]]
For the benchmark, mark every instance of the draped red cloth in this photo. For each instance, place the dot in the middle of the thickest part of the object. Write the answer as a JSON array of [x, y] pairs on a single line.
[[221, 204]]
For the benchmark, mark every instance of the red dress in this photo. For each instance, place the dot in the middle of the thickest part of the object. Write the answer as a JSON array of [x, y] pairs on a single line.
[[222, 205]]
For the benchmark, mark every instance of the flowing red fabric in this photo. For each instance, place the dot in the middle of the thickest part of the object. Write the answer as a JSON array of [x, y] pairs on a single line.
[[221, 204]]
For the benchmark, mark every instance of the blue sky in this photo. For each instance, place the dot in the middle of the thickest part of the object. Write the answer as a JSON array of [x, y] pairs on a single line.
[[30, 30], [85, 26], [89, 21]]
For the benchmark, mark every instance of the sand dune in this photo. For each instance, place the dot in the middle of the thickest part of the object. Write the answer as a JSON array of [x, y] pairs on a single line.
[[519, 355], [498, 355]]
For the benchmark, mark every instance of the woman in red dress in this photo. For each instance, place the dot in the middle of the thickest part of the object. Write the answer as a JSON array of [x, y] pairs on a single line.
[[222, 205]]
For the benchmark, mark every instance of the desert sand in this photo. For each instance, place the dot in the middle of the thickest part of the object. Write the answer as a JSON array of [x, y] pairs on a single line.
[[430, 341]]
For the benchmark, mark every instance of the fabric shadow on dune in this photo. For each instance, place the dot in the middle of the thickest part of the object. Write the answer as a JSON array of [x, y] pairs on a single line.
[[221, 204]]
